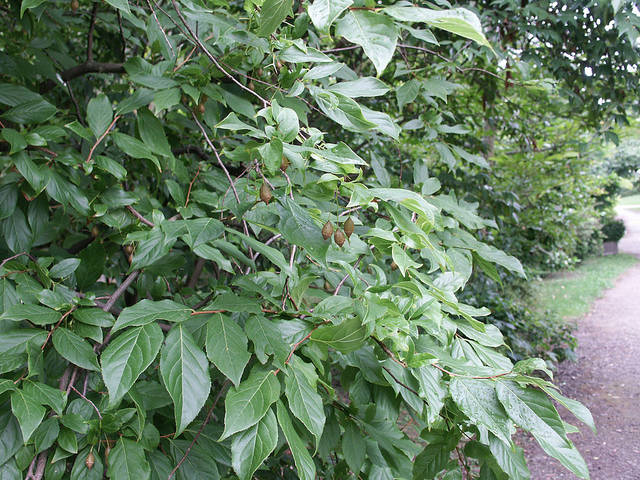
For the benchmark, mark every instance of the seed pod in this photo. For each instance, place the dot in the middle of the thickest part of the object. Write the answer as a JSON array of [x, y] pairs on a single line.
[[75, 4], [251, 85], [327, 286], [106, 455], [394, 266], [90, 461], [284, 164], [201, 108], [348, 227], [265, 193], [327, 231], [339, 238], [128, 249], [95, 231]]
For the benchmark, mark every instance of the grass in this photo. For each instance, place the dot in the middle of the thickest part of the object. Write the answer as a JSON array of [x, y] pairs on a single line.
[[571, 294], [630, 200]]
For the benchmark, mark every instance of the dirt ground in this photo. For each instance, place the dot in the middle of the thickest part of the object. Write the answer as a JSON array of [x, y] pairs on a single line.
[[606, 378]]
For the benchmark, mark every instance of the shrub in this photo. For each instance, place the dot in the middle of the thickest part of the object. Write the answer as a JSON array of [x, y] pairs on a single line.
[[613, 230]]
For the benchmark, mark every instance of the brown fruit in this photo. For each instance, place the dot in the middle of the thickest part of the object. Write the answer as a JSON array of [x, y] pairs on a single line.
[[251, 85], [106, 454], [348, 227], [265, 193], [75, 4], [284, 164], [339, 238], [201, 107], [128, 249], [327, 230], [327, 286], [90, 461], [95, 231], [394, 266]]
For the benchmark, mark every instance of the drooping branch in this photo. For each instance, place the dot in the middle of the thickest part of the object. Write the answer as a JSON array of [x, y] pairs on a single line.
[[83, 69]]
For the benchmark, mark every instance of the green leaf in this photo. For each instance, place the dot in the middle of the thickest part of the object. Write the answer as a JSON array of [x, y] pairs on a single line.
[[272, 14], [345, 337], [94, 316], [127, 356], [17, 142], [29, 412], [247, 403], [581, 412], [304, 462], [533, 411], [99, 115], [304, 401], [185, 372], [127, 461], [75, 349], [375, 33], [201, 231], [477, 399], [251, 447], [46, 395], [147, 311], [354, 447], [32, 111], [10, 436], [64, 268], [271, 154], [324, 12], [79, 471], [120, 5], [134, 148], [298, 228], [152, 133], [510, 458], [402, 259], [34, 313], [267, 339], [46, 434], [460, 21], [407, 92], [227, 347], [11, 339], [362, 87], [275, 256], [16, 232]]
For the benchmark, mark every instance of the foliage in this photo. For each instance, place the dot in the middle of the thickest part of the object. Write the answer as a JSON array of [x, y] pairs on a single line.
[[170, 304], [613, 230]]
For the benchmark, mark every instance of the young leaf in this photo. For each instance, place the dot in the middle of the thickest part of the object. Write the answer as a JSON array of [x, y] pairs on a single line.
[[304, 401], [34, 313], [346, 337], [272, 14], [29, 412], [99, 114], [185, 372], [324, 12]]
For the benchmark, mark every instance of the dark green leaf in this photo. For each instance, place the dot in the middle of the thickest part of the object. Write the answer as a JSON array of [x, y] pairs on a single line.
[[227, 346], [251, 447], [75, 349]]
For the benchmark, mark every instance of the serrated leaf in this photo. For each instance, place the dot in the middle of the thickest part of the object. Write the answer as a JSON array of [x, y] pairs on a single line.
[[304, 401], [64, 268], [477, 399], [345, 337], [275, 256], [28, 411], [46, 434], [127, 356], [533, 411], [227, 347], [120, 5], [354, 447], [267, 339], [10, 339], [324, 12], [34, 313], [374, 32], [251, 447], [272, 14], [185, 372], [304, 462], [99, 115], [10, 436], [247, 403], [79, 471], [75, 349], [298, 228], [147, 311], [127, 461], [46, 395]]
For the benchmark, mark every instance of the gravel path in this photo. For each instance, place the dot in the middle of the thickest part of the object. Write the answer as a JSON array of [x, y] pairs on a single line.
[[606, 378]]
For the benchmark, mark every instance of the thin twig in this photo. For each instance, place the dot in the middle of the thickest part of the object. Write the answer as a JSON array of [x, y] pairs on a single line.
[[205, 50], [155, 17], [122, 37], [469, 376], [197, 435], [95, 145], [13, 257], [120, 290], [344, 279], [191, 185], [86, 399], [389, 353], [137, 214], [65, 315]]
